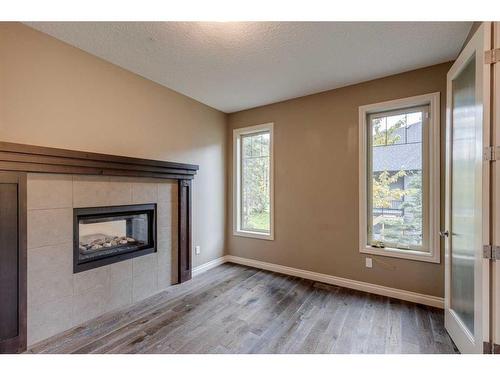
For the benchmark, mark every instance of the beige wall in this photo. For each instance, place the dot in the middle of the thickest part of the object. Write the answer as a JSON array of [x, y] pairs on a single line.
[[53, 94], [316, 183]]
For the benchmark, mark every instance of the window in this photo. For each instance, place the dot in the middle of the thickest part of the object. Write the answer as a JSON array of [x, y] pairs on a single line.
[[253, 182], [399, 178]]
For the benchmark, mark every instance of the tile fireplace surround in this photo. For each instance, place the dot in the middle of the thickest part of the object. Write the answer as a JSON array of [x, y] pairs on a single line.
[[59, 299]]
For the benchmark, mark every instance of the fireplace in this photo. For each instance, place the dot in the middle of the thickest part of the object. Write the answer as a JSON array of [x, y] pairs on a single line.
[[105, 235], [42, 187]]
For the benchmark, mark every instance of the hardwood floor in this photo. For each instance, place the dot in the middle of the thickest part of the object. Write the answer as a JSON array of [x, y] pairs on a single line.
[[236, 309]]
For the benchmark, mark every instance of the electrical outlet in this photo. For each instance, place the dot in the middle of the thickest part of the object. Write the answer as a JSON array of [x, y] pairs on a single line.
[[197, 250], [368, 262]]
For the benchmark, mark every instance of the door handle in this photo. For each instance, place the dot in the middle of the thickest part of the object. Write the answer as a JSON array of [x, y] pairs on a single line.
[[444, 233]]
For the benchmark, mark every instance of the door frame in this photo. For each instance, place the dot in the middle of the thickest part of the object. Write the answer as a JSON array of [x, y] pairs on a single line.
[[495, 183], [477, 46]]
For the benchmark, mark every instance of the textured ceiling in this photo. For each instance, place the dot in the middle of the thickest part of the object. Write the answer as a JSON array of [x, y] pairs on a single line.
[[234, 66]]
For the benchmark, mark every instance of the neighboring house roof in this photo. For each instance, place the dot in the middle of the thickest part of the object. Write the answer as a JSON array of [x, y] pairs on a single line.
[[397, 157], [413, 132]]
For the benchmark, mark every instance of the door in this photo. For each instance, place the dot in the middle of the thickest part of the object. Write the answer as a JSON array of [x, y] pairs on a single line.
[[12, 262], [467, 196]]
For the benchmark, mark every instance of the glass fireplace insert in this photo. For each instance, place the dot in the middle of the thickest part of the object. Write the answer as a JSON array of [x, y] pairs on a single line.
[[105, 235]]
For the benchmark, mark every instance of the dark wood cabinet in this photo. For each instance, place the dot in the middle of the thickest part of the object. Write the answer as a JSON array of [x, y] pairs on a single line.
[[12, 262]]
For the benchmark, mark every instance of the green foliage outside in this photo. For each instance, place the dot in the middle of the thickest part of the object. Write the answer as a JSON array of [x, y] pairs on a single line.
[[259, 221], [396, 230], [399, 230], [383, 194], [383, 136], [255, 182]]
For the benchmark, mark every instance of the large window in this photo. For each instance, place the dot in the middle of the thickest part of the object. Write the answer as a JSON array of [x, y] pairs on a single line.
[[399, 178], [253, 181]]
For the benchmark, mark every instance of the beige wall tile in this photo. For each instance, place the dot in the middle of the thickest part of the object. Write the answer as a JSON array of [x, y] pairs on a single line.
[[174, 244], [94, 278], [145, 285], [167, 198], [164, 208], [90, 191], [164, 228], [57, 258], [164, 270], [90, 304], [50, 273], [144, 264], [120, 293], [174, 255], [49, 191], [168, 211], [95, 191], [144, 192], [121, 270], [145, 279], [165, 281], [119, 191], [50, 227], [167, 191], [163, 247], [48, 319], [166, 262], [167, 201]]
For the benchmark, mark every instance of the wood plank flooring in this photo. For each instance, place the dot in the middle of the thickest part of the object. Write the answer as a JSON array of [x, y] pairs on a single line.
[[237, 309]]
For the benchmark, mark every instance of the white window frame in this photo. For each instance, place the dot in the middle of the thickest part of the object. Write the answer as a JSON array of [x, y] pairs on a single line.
[[433, 136], [237, 133]]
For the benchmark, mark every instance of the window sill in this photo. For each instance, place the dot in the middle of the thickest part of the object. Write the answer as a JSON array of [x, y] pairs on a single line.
[[431, 257], [256, 235]]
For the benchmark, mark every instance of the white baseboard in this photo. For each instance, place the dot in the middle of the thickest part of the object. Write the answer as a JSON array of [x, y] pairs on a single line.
[[209, 265], [404, 295]]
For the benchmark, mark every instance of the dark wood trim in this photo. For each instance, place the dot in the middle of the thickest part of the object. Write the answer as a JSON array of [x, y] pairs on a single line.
[[18, 343], [496, 349], [184, 225], [487, 347], [23, 262], [27, 158]]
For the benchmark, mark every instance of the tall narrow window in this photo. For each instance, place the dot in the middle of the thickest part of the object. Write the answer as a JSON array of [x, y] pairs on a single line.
[[399, 156], [253, 199]]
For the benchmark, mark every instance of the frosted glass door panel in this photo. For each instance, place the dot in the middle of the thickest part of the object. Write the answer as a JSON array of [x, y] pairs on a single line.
[[463, 196]]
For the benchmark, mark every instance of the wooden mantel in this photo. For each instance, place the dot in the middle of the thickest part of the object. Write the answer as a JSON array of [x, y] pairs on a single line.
[[16, 160], [26, 158]]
